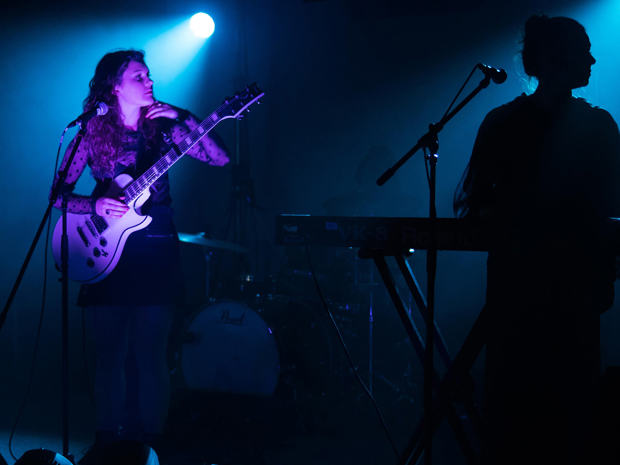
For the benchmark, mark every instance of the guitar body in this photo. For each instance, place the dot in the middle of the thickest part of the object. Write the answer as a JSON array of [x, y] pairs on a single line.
[[96, 243]]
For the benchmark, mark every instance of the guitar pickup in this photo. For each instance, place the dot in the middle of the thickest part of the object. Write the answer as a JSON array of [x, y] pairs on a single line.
[[83, 236], [99, 223]]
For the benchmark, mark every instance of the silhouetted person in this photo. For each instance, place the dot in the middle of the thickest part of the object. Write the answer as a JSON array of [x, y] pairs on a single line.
[[544, 172]]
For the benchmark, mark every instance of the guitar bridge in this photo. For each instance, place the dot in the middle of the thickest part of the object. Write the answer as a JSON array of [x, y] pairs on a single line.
[[91, 228]]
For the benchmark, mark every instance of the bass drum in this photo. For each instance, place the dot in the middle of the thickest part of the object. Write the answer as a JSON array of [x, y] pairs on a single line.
[[229, 348]]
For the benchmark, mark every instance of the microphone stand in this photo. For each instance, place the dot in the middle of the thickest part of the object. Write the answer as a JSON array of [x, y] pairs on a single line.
[[429, 143], [58, 189]]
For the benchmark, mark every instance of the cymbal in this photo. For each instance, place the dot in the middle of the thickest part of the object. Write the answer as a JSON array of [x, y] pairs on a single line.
[[201, 239]]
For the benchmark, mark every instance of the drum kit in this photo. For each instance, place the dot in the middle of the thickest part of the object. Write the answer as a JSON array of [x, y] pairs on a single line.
[[273, 338], [248, 338]]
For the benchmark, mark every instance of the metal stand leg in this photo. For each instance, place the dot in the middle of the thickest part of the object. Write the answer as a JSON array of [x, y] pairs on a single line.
[[418, 345], [458, 371], [416, 292], [208, 254]]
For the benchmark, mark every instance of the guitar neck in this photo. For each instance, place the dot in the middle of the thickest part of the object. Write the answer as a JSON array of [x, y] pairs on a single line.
[[141, 184]]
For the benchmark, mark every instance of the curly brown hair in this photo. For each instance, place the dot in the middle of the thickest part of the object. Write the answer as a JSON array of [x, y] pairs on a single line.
[[106, 132]]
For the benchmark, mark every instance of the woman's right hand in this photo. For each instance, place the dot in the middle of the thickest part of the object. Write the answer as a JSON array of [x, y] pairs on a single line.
[[108, 207]]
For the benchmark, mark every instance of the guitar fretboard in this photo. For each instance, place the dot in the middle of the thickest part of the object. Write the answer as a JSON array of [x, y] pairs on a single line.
[[139, 185]]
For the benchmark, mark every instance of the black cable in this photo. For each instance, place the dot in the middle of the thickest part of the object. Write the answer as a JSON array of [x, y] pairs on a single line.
[[428, 176], [35, 352], [348, 355], [89, 383]]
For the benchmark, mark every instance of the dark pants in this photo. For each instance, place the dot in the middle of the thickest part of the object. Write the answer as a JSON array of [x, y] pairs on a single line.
[[131, 379]]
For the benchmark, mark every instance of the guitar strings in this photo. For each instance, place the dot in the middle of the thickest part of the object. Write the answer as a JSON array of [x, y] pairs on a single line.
[[165, 162], [171, 157]]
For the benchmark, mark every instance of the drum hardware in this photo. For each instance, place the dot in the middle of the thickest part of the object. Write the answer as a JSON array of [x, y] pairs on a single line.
[[210, 248], [399, 394], [362, 270], [226, 346], [351, 304], [360, 295], [250, 291], [247, 278], [308, 374], [221, 341]]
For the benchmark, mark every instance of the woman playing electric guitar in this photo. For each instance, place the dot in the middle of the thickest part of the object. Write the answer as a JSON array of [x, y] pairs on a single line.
[[131, 309]]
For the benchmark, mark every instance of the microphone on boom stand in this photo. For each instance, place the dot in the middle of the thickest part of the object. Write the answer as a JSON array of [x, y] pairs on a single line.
[[497, 75], [99, 110]]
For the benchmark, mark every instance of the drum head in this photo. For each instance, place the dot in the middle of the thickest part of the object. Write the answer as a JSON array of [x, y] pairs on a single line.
[[231, 350]]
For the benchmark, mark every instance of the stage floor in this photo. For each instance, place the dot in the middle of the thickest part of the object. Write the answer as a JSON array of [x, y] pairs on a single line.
[[229, 429]]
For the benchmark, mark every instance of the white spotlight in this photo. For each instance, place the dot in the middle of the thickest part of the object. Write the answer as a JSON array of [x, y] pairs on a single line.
[[202, 25]]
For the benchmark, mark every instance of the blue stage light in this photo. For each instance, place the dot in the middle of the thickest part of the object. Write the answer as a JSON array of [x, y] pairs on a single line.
[[172, 54], [202, 25]]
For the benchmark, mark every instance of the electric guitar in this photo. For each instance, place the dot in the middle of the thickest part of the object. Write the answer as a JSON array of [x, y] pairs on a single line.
[[96, 243]]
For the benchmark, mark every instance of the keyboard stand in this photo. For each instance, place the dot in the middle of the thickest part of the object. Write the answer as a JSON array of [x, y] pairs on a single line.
[[458, 370]]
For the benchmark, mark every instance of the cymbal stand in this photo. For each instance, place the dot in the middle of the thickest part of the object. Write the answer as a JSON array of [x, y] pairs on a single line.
[[242, 197], [241, 203], [208, 254], [371, 318]]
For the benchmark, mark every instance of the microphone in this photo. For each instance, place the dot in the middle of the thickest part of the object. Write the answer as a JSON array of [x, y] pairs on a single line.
[[497, 75], [100, 109]]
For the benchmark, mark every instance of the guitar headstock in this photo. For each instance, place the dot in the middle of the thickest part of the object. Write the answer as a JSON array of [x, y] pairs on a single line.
[[234, 107]]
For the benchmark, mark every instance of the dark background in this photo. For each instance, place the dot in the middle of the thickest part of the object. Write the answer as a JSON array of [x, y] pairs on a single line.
[[350, 86]]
